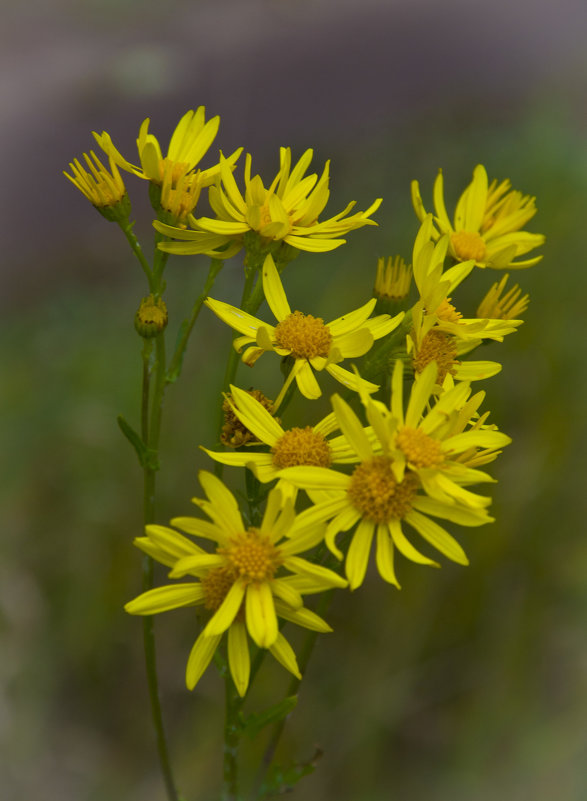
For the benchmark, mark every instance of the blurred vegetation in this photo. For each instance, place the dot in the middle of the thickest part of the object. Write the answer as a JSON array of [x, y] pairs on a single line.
[[470, 683]]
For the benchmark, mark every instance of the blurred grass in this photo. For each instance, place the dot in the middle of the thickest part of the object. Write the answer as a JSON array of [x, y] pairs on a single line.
[[470, 683]]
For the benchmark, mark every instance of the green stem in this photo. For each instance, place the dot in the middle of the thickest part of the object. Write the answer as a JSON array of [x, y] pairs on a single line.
[[177, 359], [305, 654], [126, 228], [150, 433], [231, 739]]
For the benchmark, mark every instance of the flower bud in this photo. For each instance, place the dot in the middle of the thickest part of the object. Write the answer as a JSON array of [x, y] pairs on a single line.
[[151, 317]]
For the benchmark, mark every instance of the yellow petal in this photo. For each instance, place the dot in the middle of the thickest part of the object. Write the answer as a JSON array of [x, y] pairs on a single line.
[[239, 658], [285, 655], [273, 289], [199, 658], [358, 553], [260, 615], [162, 599]]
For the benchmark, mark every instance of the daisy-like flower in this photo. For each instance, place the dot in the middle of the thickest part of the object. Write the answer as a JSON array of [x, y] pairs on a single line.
[[103, 188], [487, 222], [189, 143], [312, 343], [287, 211], [254, 576], [406, 475], [435, 285], [295, 446]]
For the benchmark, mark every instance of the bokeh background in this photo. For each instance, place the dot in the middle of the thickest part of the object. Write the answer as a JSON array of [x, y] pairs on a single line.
[[470, 683]]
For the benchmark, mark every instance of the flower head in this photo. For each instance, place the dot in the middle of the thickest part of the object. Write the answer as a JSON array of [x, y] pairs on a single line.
[[285, 211], [311, 343], [407, 471], [487, 222], [309, 445], [253, 577], [103, 188]]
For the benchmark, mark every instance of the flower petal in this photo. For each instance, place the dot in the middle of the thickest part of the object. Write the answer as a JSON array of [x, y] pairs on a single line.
[[239, 658], [260, 614], [199, 658]]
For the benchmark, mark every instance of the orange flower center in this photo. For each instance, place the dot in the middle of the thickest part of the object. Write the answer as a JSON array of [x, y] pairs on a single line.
[[376, 493], [301, 446], [304, 335], [252, 556]]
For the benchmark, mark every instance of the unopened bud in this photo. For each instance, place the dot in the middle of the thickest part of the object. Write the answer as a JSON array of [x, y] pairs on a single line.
[[151, 317]]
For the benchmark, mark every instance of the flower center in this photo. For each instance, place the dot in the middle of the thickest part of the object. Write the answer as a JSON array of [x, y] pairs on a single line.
[[437, 347], [447, 312], [420, 449], [252, 556], [178, 169], [304, 335], [216, 585], [375, 492], [301, 446], [468, 245]]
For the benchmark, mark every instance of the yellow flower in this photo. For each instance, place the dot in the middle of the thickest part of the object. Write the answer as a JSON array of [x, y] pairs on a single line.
[[487, 222], [104, 189], [435, 285], [410, 452], [393, 279], [287, 211], [253, 577], [506, 307], [189, 143], [311, 343], [295, 446]]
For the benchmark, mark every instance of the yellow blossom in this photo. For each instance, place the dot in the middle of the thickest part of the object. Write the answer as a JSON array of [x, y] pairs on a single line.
[[504, 307], [393, 279], [253, 577], [286, 211], [103, 188], [486, 224], [311, 343], [407, 471]]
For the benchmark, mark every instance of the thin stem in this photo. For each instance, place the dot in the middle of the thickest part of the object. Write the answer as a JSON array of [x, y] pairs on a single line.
[[231, 740], [126, 228], [305, 654], [177, 359], [150, 435]]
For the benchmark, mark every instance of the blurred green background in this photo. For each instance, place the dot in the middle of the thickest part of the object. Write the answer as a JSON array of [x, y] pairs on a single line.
[[471, 682]]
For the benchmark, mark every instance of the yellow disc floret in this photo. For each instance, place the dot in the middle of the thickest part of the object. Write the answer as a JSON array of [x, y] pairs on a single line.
[[304, 335], [376, 493], [301, 446], [420, 449], [437, 347], [468, 245], [252, 555]]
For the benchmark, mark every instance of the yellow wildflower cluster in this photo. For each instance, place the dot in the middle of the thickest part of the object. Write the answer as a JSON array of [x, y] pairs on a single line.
[[390, 467]]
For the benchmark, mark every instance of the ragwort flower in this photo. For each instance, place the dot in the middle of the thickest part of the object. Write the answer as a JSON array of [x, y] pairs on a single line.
[[287, 211], [407, 472], [254, 576], [295, 446], [487, 222], [311, 343], [103, 188]]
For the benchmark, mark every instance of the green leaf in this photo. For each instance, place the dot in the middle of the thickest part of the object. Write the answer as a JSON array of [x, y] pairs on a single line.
[[281, 779], [253, 724], [147, 456]]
